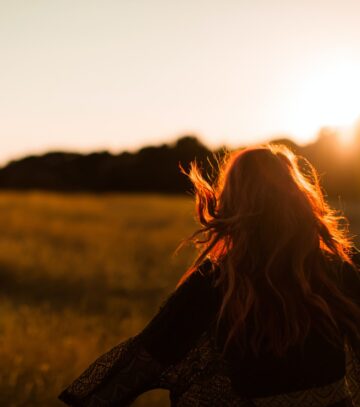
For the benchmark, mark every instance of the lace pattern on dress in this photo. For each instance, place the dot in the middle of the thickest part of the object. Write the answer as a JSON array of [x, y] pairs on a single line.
[[203, 377], [200, 378], [118, 375], [353, 374], [317, 396]]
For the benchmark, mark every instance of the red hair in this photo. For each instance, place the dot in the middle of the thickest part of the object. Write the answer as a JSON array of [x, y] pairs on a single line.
[[278, 245]]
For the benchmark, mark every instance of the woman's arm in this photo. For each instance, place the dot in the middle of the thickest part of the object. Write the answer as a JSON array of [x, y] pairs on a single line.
[[136, 365], [117, 376]]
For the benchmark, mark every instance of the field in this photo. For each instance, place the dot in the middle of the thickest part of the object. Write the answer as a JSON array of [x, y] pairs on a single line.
[[79, 274]]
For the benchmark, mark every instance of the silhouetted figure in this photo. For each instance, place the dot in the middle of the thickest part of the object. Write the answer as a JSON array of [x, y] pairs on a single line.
[[268, 315]]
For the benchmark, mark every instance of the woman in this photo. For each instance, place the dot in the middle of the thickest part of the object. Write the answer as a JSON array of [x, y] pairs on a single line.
[[269, 314]]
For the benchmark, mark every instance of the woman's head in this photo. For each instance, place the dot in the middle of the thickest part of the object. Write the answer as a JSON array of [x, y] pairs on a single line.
[[266, 223]]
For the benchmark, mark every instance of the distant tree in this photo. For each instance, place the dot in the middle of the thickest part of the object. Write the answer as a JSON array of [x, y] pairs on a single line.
[[156, 168]]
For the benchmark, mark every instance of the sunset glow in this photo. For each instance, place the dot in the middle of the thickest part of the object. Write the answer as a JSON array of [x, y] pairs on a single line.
[[120, 75], [330, 96]]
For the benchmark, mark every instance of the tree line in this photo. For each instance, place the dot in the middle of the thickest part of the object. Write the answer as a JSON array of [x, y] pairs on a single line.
[[156, 168]]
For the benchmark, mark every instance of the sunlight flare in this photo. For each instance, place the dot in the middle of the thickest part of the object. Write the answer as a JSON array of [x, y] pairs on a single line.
[[331, 97]]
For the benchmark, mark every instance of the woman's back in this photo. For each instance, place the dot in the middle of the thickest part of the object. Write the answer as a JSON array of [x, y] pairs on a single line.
[[179, 351], [313, 374], [265, 311], [317, 363]]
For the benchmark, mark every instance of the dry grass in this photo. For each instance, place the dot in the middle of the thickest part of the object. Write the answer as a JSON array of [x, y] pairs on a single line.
[[80, 273]]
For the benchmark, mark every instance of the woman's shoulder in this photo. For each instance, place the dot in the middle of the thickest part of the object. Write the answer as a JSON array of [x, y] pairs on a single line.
[[185, 314], [204, 275]]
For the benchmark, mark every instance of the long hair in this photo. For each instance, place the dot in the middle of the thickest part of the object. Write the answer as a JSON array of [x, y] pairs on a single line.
[[278, 245]]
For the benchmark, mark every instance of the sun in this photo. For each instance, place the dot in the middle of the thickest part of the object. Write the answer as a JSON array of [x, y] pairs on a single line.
[[347, 136], [329, 96]]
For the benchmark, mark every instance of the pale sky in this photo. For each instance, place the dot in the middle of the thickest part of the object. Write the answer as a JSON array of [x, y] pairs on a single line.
[[93, 75]]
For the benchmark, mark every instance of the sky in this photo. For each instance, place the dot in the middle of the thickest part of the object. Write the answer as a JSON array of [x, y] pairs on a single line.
[[119, 74]]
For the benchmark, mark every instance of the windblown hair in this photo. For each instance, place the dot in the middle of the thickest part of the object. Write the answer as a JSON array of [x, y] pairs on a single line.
[[279, 247]]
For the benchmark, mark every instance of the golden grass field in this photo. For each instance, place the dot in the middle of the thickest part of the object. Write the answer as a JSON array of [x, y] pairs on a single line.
[[79, 274]]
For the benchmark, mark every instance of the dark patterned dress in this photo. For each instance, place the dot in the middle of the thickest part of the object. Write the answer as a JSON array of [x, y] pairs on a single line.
[[178, 351]]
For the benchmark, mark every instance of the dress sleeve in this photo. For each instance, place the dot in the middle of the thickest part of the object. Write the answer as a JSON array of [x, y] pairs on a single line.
[[353, 373], [138, 364], [115, 378]]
